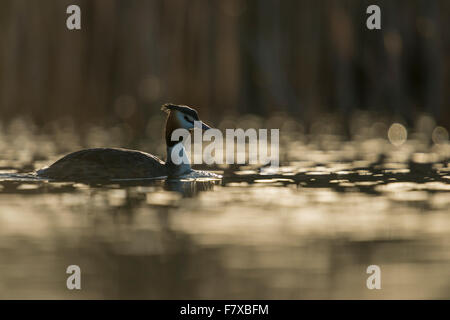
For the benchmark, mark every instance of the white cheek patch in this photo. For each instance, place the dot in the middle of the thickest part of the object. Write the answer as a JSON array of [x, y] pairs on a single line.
[[183, 122]]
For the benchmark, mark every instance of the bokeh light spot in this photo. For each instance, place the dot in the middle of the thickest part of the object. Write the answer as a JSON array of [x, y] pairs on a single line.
[[397, 134], [440, 135]]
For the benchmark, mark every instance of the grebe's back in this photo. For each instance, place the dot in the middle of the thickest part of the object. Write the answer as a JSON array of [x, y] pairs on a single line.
[[105, 163]]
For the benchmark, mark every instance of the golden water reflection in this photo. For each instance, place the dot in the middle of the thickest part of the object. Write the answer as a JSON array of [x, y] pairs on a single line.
[[307, 230]]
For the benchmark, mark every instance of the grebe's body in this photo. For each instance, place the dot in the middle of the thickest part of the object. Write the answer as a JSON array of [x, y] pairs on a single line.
[[118, 164], [105, 163]]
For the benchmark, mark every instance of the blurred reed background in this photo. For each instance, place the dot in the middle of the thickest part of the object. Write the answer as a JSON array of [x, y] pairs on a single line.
[[302, 58], [308, 230]]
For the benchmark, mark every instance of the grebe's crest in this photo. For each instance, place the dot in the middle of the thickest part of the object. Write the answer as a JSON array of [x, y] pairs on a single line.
[[183, 109]]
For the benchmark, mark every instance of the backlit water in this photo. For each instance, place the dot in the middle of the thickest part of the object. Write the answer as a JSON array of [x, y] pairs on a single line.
[[307, 230]]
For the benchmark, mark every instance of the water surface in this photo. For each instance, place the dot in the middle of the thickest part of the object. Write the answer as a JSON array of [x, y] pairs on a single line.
[[307, 230]]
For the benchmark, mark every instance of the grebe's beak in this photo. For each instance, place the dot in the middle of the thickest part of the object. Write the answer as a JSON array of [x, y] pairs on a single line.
[[205, 126]]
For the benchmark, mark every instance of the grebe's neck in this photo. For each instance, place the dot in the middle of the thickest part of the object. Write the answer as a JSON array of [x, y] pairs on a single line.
[[177, 160]]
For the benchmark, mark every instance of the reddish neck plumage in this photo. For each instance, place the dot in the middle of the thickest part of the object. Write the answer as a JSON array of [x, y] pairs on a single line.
[[172, 123], [177, 161]]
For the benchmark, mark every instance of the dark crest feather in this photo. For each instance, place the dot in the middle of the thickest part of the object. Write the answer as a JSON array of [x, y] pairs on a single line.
[[184, 109]]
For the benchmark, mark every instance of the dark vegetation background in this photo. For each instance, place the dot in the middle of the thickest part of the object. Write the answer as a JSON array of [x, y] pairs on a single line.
[[230, 57]]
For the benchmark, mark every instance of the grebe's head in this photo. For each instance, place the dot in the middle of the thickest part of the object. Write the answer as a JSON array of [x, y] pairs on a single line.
[[180, 117]]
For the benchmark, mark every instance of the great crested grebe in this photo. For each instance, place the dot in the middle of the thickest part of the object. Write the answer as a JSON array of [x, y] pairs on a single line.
[[116, 163]]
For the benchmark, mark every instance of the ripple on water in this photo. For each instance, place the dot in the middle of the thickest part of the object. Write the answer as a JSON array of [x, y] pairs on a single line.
[[325, 215]]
